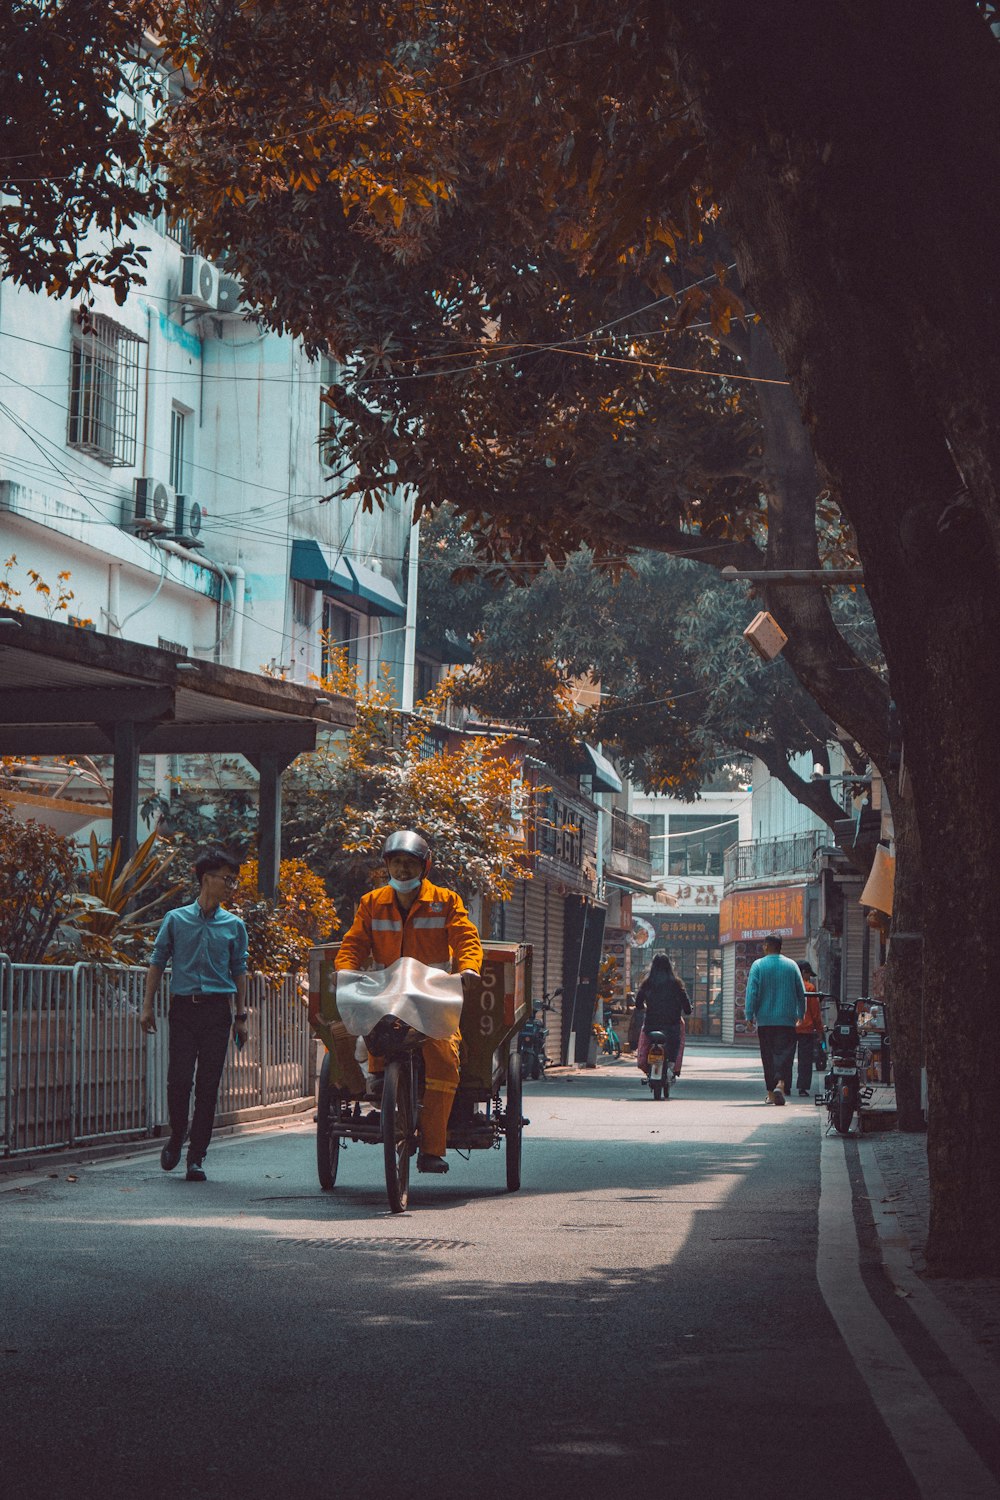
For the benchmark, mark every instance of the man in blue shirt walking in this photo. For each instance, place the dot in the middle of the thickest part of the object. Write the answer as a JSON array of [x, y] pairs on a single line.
[[206, 947], [776, 999]]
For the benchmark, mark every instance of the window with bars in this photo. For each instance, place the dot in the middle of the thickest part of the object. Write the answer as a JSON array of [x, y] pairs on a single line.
[[104, 391]]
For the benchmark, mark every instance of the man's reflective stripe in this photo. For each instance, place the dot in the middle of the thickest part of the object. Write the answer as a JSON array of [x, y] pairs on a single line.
[[389, 926], [429, 922]]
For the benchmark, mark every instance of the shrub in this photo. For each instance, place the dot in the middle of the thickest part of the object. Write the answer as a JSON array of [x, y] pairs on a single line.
[[37, 873], [281, 932]]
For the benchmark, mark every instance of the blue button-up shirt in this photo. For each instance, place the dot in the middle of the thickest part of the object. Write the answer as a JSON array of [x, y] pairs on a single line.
[[206, 954]]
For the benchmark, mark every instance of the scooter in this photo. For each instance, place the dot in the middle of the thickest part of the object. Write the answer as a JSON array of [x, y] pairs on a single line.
[[845, 1090], [661, 1068], [531, 1040]]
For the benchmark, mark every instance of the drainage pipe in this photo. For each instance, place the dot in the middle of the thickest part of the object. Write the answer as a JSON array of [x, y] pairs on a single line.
[[233, 578]]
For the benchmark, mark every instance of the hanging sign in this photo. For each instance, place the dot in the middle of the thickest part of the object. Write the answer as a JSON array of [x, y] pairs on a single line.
[[748, 916]]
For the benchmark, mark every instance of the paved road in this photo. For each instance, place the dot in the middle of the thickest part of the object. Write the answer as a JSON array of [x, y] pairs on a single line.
[[645, 1316]]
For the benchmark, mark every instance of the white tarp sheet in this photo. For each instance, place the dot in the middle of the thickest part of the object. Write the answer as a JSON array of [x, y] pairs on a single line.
[[425, 998]]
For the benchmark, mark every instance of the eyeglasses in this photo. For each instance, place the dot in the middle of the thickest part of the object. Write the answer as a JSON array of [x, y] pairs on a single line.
[[231, 880]]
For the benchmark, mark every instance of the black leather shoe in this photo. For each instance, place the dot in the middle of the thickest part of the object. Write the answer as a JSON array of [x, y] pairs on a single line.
[[427, 1163], [195, 1170], [171, 1154]]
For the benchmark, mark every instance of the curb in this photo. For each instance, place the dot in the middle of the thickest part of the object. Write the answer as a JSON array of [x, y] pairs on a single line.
[[41, 1161], [951, 1337]]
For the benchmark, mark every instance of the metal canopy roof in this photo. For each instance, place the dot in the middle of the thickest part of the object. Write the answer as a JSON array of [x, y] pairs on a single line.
[[67, 691], [63, 689]]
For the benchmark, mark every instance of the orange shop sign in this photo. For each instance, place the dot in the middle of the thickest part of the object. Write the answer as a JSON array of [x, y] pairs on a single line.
[[748, 915]]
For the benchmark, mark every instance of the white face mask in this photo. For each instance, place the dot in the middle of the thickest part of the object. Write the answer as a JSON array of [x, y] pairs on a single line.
[[404, 886]]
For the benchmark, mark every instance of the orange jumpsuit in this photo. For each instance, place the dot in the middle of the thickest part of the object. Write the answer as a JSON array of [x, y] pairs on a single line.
[[436, 929]]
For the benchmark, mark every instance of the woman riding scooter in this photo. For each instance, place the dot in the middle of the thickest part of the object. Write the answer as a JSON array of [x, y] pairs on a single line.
[[665, 1002]]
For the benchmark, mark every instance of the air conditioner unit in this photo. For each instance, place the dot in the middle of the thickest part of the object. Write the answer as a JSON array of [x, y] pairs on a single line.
[[228, 301], [152, 507], [187, 522], [199, 283]]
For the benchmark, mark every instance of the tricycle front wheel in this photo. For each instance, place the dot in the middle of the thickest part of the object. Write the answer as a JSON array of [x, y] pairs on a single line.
[[513, 1127], [397, 1131], [327, 1144]]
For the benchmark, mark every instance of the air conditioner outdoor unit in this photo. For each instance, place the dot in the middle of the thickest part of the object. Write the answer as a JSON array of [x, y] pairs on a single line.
[[187, 522], [152, 507], [228, 301], [199, 283]]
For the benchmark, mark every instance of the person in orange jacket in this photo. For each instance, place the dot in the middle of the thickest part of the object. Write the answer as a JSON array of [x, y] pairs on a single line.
[[807, 1031], [411, 918]]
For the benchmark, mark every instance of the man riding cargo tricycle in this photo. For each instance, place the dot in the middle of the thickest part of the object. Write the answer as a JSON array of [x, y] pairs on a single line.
[[443, 1070]]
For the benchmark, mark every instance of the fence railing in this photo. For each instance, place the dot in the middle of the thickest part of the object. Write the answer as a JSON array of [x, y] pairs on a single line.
[[793, 855], [629, 834], [75, 1065]]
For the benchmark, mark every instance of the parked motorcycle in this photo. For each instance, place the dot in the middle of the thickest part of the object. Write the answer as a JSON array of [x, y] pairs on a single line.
[[846, 1090], [531, 1039]]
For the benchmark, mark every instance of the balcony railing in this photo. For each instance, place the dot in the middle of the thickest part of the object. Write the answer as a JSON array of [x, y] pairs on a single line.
[[766, 857], [629, 835]]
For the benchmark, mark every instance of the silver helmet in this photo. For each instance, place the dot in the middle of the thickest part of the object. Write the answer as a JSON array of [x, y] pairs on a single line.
[[408, 842]]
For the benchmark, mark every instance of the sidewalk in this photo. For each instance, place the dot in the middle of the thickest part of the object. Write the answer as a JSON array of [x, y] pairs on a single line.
[[900, 1201]]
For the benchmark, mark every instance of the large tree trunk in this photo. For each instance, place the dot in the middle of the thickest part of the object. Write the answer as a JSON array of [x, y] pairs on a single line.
[[904, 967], [856, 192], [845, 688]]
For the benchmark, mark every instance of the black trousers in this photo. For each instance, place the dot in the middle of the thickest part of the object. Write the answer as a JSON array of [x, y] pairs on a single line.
[[199, 1041], [805, 1049], [777, 1052]]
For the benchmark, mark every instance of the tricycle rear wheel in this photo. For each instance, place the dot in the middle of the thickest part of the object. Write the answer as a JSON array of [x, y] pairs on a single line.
[[514, 1124], [397, 1130], [327, 1144]]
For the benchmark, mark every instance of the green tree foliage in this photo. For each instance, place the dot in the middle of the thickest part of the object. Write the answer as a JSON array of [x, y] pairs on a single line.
[[680, 689], [497, 219], [75, 83], [517, 382], [344, 799], [212, 811]]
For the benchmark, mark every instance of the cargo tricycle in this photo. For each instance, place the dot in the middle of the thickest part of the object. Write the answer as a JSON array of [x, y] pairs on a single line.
[[486, 1113]]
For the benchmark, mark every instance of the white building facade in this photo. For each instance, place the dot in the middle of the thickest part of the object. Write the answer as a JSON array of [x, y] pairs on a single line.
[[161, 480]]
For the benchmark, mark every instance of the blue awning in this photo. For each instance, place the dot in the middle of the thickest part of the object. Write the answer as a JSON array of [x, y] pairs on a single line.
[[602, 772], [310, 565], [376, 591], [343, 579]]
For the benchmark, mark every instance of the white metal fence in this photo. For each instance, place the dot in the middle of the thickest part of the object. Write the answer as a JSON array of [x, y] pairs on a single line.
[[75, 1066]]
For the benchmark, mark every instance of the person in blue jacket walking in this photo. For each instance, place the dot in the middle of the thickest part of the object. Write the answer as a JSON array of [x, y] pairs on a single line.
[[776, 999]]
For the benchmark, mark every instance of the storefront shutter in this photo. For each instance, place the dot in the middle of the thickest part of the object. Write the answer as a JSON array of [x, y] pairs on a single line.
[[513, 914], [854, 941], [728, 992], [542, 925], [556, 926]]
